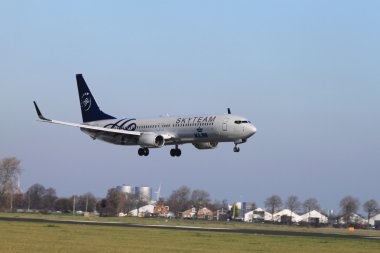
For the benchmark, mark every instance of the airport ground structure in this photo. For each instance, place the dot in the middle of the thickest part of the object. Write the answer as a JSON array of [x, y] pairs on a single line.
[[182, 203], [144, 206], [259, 215], [127, 200]]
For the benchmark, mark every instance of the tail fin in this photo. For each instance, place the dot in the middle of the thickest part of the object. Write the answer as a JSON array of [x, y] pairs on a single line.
[[89, 107]]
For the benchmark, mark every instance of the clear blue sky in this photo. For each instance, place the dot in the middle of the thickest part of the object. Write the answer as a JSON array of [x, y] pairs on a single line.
[[306, 73]]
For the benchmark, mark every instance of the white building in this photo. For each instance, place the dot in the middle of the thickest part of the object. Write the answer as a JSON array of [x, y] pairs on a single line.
[[355, 218], [295, 217], [314, 217], [373, 219], [258, 214], [142, 211]]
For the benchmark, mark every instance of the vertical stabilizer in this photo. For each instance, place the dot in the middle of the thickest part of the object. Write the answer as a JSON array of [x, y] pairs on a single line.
[[89, 107]]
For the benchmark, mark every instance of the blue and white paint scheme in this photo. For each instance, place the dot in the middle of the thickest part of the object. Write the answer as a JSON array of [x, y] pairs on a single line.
[[203, 131]]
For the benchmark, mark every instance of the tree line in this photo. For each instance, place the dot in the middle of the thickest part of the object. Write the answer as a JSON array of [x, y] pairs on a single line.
[[179, 200], [38, 197]]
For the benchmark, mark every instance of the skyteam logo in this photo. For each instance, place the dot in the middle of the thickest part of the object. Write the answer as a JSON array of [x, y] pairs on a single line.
[[85, 101]]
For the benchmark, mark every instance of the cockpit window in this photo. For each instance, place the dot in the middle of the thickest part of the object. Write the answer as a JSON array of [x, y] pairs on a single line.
[[241, 121]]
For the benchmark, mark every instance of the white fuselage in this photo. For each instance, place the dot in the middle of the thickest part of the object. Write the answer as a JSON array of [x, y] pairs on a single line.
[[178, 130]]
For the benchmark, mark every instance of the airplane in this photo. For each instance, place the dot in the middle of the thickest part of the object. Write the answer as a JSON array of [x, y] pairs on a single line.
[[203, 131]]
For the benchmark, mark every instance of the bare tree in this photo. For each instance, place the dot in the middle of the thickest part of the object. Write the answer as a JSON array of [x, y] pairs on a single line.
[[310, 204], [101, 206], [272, 204], [64, 205], [293, 204], [130, 202], [86, 202], [18, 200], [39, 198], [9, 171], [200, 198], [34, 196], [218, 205], [115, 202], [370, 207], [49, 198], [349, 206], [179, 200]]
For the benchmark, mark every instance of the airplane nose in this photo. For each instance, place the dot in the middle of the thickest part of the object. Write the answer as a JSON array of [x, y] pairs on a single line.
[[251, 130]]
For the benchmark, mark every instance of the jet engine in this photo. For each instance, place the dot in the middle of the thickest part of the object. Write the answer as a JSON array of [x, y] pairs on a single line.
[[205, 145], [151, 140]]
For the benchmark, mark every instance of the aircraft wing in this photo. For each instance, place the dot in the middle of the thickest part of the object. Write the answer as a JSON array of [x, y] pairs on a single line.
[[102, 129]]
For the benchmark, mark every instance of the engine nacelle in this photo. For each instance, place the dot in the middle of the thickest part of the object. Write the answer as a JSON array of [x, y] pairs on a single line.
[[151, 140], [205, 145]]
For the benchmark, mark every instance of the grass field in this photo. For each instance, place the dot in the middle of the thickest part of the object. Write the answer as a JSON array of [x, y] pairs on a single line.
[[45, 237], [199, 223]]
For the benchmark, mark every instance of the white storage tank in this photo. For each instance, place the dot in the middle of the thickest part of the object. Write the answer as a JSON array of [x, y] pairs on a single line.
[[127, 189], [144, 193]]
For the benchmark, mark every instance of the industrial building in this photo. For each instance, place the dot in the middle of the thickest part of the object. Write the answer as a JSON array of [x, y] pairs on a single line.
[[142, 192], [127, 189], [375, 221], [284, 215]]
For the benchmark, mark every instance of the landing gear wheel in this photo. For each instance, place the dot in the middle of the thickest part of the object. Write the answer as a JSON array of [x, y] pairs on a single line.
[[175, 152], [143, 151], [236, 149]]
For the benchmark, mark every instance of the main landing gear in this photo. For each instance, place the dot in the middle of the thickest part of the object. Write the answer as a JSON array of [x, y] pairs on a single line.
[[175, 151], [143, 151], [236, 148]]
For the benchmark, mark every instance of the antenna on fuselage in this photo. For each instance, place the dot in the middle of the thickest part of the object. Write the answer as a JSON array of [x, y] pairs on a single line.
[[228, 110]]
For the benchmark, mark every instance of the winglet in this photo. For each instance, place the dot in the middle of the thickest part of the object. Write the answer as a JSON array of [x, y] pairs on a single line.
[[39, 112]]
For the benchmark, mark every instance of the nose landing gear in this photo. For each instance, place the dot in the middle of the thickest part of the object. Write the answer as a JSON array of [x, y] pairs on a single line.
[[236, 148]]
